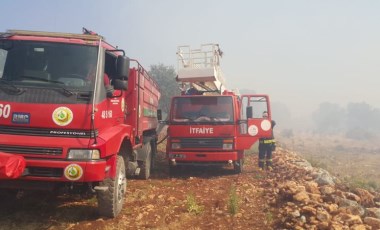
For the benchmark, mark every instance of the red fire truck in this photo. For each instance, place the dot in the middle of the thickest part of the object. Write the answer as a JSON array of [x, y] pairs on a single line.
[[80, 113], [209, 125]]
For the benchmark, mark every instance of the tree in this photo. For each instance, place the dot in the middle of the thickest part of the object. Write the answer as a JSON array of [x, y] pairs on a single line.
[[165, 77], [361, 120], [358, 120], [329, 118], [359, 115]]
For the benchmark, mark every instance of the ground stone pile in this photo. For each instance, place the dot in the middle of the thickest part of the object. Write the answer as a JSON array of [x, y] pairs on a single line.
[[304, 197]]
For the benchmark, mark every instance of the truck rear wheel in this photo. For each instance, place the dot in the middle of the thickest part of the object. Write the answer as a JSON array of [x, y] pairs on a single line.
[[154, 155], [110, 202], [145, 166]]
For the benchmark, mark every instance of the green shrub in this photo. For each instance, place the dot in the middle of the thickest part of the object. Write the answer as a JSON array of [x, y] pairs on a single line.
[[192, 206], [233, 201]]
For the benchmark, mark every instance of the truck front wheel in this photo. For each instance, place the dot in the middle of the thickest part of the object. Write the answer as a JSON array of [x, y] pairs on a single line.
[[110, 201], [238, 166], [173, 170]]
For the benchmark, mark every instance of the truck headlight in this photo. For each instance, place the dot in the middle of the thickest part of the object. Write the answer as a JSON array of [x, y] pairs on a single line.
[[176, 145], [227, 146], [83, 154]]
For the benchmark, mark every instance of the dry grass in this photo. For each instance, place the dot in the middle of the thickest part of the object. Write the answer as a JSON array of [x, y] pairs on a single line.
[[355, 162]]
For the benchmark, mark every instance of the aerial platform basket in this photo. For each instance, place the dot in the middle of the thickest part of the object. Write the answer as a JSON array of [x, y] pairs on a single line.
[[200, 68]]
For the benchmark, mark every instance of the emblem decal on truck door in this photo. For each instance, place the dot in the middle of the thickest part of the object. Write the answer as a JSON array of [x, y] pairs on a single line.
[[265, 125], [253, 130], [62, 116]]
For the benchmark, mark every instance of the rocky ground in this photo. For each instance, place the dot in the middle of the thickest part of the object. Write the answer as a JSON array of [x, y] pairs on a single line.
[[292, 196], [310, 198]]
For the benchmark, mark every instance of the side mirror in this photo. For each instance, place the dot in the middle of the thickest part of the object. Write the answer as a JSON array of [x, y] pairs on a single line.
[[249, 112], [243, 126], [109, 90], [120, 84], [159, 114], [122, 66]]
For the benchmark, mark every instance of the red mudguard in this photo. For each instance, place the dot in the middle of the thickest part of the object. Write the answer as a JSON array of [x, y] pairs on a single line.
[[11, 166]]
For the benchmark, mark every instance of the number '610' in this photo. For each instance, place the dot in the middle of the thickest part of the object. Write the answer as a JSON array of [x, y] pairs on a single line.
[[5, 110]]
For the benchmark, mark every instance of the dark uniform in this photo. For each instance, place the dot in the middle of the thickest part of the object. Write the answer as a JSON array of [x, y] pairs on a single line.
[[266, 146]]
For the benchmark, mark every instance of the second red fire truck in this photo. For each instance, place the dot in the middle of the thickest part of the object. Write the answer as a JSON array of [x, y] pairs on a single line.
[[209, 125]]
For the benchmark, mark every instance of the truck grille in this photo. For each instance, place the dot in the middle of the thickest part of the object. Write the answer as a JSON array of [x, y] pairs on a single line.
[[47, 132], [45, 172], [204, 143], [31, 150]]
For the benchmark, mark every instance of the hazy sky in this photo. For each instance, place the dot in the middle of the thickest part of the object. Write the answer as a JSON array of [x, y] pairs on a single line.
[[299, 52]]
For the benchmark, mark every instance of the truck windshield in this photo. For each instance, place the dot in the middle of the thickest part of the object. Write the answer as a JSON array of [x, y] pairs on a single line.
[[45, 64], [202, 109]]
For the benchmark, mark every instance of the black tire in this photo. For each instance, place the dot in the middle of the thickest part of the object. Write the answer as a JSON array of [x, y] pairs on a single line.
[[145, 166], [110, 202], [154, 155], [238, 166], [173, 171]]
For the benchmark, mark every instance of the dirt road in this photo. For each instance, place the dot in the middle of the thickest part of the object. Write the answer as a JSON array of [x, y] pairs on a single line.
[[196, 198]]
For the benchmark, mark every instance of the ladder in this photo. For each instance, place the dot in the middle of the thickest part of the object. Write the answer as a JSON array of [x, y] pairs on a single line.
[[200, 68]]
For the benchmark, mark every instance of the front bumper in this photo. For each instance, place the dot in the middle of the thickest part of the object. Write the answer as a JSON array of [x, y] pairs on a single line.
[[202, 158], [65, 171]]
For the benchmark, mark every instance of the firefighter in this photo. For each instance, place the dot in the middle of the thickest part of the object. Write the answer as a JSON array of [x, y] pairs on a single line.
[[266, 146]]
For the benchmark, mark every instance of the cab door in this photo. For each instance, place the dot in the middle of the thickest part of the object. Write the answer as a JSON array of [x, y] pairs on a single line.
[[252, 125]]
